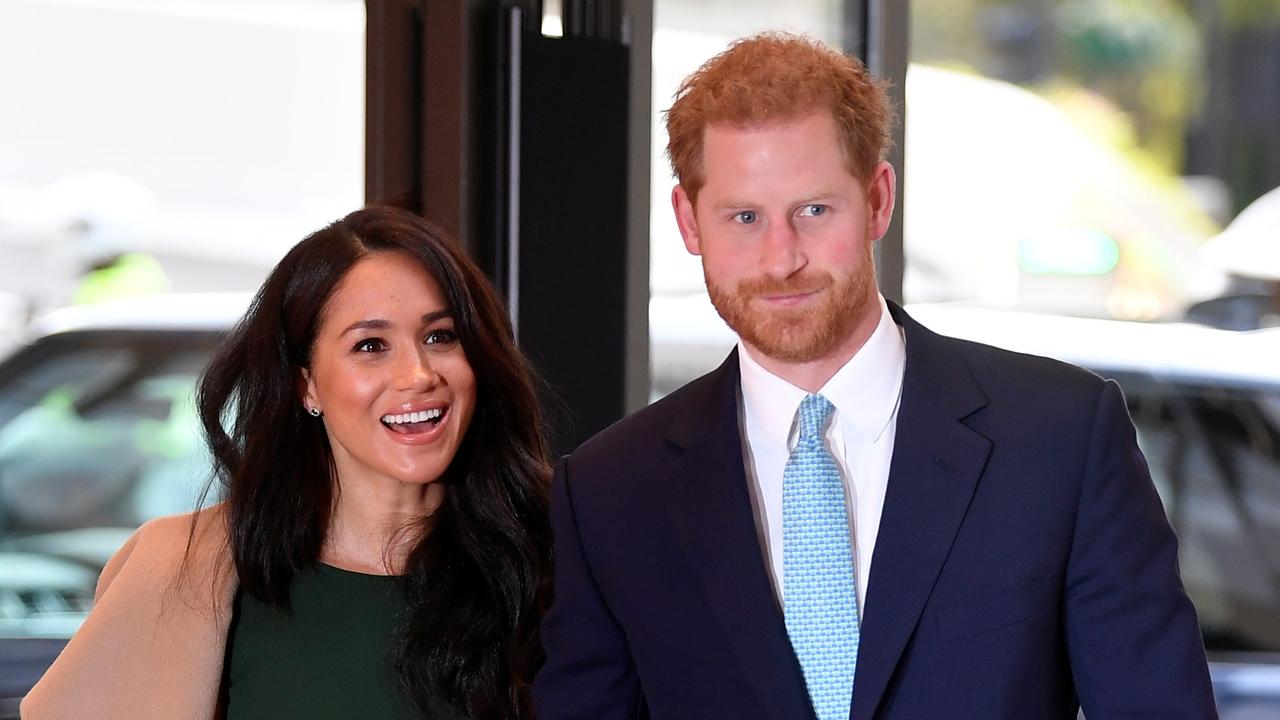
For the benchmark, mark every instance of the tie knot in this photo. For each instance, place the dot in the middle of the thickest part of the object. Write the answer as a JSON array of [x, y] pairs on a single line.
[[814, 412]]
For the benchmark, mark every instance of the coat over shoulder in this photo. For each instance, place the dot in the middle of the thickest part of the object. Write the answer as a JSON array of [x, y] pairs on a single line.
[[153, 645]]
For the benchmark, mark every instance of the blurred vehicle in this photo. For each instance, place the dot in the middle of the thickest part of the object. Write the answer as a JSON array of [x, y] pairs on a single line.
[[98, 434], [1249, 252], [1206, 404], [1250, 246], [13, 317]]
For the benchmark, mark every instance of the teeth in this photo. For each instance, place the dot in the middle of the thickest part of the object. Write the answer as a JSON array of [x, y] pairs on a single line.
[[416, 417]]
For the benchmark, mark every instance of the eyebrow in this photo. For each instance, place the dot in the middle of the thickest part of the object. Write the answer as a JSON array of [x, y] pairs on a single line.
[[380, 324], [822, 196], [735, 204]]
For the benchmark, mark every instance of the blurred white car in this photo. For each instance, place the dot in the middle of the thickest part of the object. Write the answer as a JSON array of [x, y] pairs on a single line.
[[98, 433], [13, 319], [1250, 246]]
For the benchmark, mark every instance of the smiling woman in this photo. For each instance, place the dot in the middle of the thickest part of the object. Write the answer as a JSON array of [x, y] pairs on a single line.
[[383, 548], [396, 393]]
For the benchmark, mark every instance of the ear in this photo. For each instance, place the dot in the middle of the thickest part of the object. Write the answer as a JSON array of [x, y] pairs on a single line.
[[307, 390], [686, 219], [881, 195]]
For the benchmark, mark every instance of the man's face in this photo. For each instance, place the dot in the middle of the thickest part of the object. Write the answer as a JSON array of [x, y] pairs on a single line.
[[785, 232]]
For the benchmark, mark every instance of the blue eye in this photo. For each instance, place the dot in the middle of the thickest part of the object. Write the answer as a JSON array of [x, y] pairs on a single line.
[[440, 336], [746, 217], [369, 345], [813, 210]]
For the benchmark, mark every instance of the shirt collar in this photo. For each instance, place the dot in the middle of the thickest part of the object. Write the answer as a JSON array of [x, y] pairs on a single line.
[[865, 391]]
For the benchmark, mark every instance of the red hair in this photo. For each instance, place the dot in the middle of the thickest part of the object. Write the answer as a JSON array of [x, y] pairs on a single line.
[[778, 77]]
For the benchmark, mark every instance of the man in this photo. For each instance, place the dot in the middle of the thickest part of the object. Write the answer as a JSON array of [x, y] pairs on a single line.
[[852, 516]]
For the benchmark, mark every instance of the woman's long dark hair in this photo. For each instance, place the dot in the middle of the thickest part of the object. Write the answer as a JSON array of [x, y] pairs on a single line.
[[478, 578]]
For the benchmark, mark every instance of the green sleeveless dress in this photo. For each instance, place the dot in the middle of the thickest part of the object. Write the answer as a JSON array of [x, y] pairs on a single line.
[[330, 657]]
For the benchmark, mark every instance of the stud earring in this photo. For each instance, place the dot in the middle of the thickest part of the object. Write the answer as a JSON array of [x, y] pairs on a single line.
[[315, 412]]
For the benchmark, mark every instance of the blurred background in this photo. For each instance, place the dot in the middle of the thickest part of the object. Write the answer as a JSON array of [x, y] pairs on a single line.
[[1090, 179], [207, 136], [1085, 157]]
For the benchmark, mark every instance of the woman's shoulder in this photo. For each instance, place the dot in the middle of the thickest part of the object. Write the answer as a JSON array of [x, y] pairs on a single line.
[[205, 521], [152, 646], [172, 533], [193, 541]]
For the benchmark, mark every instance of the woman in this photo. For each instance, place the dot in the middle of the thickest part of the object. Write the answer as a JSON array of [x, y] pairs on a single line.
[[383, 547]]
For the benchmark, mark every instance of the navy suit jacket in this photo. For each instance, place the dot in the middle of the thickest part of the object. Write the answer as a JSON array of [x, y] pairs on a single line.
[[1024, 566]]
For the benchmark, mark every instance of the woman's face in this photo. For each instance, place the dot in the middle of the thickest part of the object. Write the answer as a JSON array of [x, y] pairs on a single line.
[[389, 374]]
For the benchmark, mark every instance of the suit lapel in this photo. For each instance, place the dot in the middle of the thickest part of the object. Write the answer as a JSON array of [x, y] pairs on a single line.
[[710, 509], [937, 461]]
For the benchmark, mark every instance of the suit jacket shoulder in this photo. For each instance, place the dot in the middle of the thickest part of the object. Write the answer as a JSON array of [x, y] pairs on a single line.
[[641, 439], [1005, 372]]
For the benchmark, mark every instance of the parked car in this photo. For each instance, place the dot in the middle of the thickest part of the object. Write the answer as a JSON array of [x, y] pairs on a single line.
[[98, 433], [13, 316], [1206, 404]]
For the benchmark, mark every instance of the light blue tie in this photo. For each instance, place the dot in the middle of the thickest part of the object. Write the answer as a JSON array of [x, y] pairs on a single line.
[[819, 594]]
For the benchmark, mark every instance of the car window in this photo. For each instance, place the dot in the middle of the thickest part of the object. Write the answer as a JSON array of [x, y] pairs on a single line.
[[95, 439], [1214, 453]]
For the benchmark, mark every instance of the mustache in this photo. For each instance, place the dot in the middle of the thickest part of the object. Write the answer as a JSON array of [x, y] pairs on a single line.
[[794, 285]]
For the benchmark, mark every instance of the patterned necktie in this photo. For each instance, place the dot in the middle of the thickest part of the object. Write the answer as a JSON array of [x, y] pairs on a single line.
[[819, 594]]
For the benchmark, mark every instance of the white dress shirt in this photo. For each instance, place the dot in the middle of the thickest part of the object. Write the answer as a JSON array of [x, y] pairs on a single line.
[[865, 393]]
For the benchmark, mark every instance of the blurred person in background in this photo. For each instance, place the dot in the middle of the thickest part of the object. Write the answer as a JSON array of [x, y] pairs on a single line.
[[83, 238], [852, 516], [382, 548], [104, 217]]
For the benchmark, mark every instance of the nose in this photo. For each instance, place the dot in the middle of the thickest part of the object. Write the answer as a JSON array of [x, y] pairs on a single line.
[[414, 371], [781, 255]]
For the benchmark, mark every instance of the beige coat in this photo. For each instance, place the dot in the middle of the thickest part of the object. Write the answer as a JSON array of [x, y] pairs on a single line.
[[153, 645]]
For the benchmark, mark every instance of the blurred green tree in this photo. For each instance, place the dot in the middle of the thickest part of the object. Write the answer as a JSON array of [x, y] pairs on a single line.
[[1251, 13], [1146, 56], [1196, 79]]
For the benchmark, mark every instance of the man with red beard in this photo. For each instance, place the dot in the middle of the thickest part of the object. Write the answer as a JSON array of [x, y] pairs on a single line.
[[852, 517]]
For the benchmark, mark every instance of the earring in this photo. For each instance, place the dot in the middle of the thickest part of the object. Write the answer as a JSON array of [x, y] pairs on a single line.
[[315, 412]]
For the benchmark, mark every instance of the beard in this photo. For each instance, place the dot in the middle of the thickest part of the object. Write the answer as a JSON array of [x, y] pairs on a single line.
[[797, 334]]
